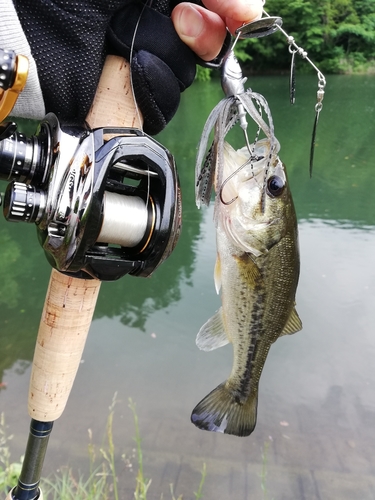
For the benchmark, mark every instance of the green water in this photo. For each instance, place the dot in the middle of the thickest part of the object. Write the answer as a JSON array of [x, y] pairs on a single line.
[[317, 391]]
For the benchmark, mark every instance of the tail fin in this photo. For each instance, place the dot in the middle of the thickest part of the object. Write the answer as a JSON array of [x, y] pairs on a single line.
[[219, 411]]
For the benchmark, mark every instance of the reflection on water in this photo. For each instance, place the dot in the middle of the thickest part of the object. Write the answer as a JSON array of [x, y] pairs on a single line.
[[316, 403]]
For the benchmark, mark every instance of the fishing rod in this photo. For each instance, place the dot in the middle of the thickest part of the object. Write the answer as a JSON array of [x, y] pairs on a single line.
[[105, 200]]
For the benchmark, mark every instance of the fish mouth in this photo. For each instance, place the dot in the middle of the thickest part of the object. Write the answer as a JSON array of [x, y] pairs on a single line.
[[252, 169]]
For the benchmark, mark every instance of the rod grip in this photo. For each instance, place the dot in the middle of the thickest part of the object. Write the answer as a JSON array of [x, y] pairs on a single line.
[[114, 104], [70, 302], [65, 322]]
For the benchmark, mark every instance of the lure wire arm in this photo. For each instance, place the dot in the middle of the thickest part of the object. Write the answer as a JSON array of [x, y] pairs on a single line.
[[296, 49], [300, 50]]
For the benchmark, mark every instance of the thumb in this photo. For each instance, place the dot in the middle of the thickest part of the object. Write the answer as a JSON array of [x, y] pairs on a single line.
[[200, 29]]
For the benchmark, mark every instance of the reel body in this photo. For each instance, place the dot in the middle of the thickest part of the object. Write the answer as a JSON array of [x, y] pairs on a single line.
[[102, 208]]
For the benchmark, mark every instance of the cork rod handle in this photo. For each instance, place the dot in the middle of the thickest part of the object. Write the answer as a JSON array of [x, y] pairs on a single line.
[[70, 302]]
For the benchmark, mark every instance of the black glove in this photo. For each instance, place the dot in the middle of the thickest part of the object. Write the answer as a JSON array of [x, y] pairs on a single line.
[[69, 43], [162, 66]]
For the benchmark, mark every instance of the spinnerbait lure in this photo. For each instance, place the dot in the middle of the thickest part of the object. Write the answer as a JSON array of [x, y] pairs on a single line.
[[240, 102]]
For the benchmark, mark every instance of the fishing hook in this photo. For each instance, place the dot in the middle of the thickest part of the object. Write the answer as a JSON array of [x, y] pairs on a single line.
[[233, 174]]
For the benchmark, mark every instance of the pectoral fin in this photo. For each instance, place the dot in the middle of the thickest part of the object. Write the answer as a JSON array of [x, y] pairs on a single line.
[[293, 325], [217, 275], [249, 271], [212, 334]]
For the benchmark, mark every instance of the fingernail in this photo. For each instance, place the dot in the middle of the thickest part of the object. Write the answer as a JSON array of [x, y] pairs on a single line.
[[191, 22]]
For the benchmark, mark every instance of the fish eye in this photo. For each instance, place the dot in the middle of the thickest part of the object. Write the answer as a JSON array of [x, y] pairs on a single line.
[[275, 185]]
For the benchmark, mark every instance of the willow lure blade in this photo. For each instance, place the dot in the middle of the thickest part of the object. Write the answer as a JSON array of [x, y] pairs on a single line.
[[292, 79]]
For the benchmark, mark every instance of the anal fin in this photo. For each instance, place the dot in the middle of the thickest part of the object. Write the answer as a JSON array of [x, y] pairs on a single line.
[[293, 325], [212, 334]]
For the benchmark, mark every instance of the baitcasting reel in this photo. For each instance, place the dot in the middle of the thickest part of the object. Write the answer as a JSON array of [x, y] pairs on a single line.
[[101, 208]]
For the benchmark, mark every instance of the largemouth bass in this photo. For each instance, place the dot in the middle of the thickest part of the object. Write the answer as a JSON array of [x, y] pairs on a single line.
[[257, 270]]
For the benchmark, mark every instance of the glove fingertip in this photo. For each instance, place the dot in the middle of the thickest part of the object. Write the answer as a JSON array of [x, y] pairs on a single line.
[[156, 90]]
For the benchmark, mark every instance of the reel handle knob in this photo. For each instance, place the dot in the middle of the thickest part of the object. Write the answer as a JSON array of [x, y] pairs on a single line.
[[23, 202], [7, 68], [13, 75]]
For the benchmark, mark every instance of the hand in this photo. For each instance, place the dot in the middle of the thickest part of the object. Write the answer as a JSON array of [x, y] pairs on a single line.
[[204, 30]]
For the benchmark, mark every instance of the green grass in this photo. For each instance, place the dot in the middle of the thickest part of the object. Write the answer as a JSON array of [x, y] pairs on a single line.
[[9, 472], [263, 474], [101, 482], [143, 484]]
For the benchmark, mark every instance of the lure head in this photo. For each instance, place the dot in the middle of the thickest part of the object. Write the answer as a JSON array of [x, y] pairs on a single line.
[[232, 80]]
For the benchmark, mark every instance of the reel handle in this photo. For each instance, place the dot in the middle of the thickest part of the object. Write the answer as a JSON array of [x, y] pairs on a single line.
[[70, 302], [13, 75]]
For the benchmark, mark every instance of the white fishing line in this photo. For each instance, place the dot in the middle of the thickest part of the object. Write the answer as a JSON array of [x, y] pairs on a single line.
[[124, 221], [140, 121]]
